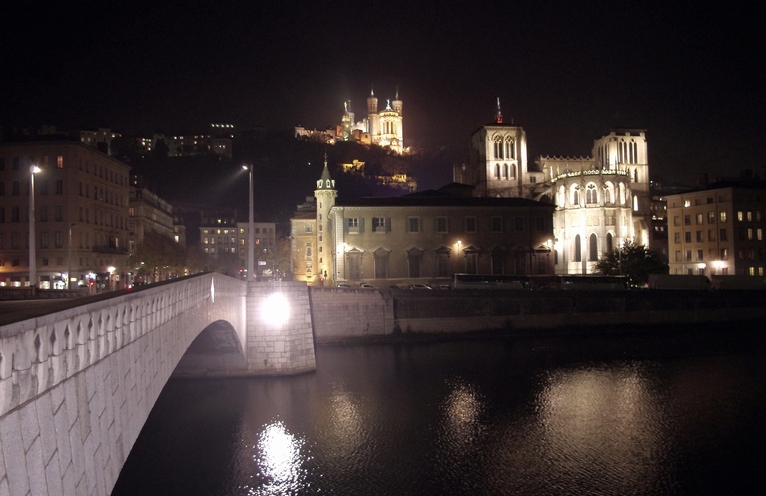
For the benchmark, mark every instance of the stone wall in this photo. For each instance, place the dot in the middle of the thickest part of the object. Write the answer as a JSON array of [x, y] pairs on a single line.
[[77, 386], [341, 314], [350, 312], [279, 348]]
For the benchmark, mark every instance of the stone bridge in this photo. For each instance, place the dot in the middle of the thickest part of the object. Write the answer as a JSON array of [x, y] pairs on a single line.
[[77, 385]]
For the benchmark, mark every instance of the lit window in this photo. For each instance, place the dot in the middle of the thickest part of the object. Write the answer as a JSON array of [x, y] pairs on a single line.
[[739, 216]]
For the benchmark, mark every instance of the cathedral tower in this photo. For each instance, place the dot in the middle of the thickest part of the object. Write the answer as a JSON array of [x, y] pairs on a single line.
[[373, 119]]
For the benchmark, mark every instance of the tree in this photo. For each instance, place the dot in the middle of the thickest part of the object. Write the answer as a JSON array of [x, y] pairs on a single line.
[[634, 261], [158, 257]]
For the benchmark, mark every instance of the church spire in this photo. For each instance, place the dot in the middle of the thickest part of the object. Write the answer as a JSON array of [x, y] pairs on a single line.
[[325, 181], [499, 116]]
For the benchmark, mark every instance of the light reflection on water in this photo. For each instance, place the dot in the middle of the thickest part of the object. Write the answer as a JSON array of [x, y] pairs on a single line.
[[280, 461], [466, 418]]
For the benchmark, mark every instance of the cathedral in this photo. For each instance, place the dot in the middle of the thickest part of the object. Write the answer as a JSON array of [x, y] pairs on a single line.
[[383, 128], [601, 201]]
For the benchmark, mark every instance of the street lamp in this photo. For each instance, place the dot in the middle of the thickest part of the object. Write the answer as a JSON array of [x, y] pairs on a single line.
[[251, 231], [32, 255], [69, 256]]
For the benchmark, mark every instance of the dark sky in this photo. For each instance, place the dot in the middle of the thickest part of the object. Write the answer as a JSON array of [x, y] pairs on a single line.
[[692, 75]]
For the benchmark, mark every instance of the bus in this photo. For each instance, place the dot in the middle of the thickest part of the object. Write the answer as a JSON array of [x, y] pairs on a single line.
[[592, 282], [487, 281]]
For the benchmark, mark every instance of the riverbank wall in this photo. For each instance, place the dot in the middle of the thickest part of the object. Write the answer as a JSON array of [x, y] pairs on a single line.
[[342, 314]]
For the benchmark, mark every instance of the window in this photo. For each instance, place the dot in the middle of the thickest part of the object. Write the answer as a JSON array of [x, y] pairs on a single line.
[[15, 188], [687, 220], [759, 234], [723, 216], [471, 262], [749, 234], [699, 255], [497, 224], [576, 195], [676, 220], [379, 224], [442, 264], [60, 187], [413, 225], [749, 216], [413, 262], [470, 224], [687, 203], [678, 255], [441, 224], [44, 213], [591, 197], [353, 222], [688, 236], [59, 239], [308, 227], [699, 236], [577, 249], [609, 242], [739, 216], [593, 248], [677, 237], [688, 255], [722, 234], [15, 240], [58, 212], [381, 264], [711, 234], [699, 219], [607, 195], [44, 241], [308, 250], [518, 224], [15, 215], [711, 217], [60, 162]]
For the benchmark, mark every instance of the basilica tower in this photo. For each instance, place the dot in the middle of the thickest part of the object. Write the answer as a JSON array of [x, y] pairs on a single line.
[[373, 119], [325, 196]]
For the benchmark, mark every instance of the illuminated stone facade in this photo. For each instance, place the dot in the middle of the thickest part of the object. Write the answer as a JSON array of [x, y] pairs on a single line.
[[382, 127], [602, 201]]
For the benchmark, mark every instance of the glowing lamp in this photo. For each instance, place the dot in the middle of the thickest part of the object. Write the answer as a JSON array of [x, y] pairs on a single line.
[[276, 309]]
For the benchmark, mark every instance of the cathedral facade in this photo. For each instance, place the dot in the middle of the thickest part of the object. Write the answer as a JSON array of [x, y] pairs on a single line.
[[601, 201], [383, 128]]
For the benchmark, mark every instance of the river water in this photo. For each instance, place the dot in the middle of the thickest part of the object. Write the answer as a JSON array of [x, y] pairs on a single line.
[[638, 413]]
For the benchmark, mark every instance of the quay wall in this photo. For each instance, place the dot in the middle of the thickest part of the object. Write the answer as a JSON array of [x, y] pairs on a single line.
[[341, 314]]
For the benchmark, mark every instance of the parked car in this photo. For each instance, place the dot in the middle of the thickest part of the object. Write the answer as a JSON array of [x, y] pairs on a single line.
[[344, 285], [420, 286], [366, 286]]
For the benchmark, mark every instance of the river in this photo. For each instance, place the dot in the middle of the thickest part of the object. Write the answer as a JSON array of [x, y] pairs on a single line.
[[636, 413]]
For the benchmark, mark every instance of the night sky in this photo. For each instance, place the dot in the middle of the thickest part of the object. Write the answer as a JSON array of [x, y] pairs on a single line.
[[692, 75]]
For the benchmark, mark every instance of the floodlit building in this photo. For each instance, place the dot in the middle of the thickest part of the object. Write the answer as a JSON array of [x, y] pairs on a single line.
[[601, 201], [232, 237], [81, 214], [718, 229], [149, 213], [423, 237], [380, 127]]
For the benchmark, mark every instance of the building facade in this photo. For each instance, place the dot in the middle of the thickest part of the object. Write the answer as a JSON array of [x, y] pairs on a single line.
[[80, 215], [601, 201], [149, 213], [231, 237], [380, 127], [718, 230], [424, 237]]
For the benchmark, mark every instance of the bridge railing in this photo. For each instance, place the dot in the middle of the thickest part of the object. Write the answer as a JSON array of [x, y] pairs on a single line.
[[38, 353]]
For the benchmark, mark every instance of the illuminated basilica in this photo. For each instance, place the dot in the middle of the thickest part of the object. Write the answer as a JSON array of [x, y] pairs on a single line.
[[382, 127], [601, 201]]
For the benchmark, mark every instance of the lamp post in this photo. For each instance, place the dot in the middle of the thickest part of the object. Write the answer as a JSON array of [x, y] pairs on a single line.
[[69, 257], [250, 231], [32, 255]]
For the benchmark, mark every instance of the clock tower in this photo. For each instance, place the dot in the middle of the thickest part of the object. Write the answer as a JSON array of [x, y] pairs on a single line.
[[325, 195]]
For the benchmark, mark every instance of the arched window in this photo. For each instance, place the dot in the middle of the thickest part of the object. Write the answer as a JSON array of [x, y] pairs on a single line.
[[635, 175], [607, 195], [497, 171], [593, 248], [576, 196], [635, 203], [578, 249], [609, 242], [513, 171], [634, 145], [591, 196], [505, 171], [562, 196], [498, 149], [510, 151]]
